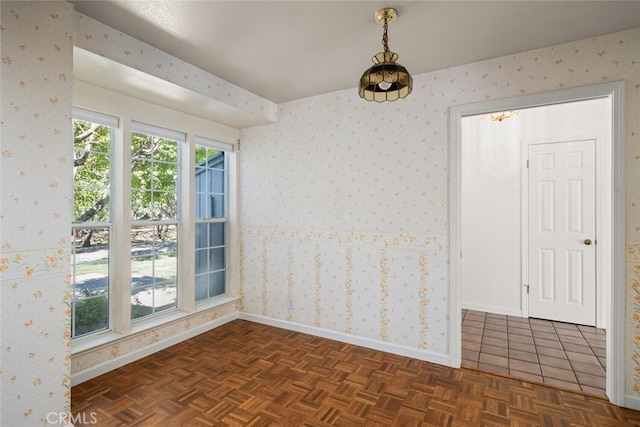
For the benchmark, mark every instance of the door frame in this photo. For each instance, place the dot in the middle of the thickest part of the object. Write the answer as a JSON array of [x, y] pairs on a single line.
[[615, 317]]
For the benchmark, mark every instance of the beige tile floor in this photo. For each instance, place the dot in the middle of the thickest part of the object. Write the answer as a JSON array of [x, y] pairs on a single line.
[[555, 353]]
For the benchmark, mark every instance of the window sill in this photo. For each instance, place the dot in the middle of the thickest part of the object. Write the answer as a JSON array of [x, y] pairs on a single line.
[[215, 302], [109, 337]]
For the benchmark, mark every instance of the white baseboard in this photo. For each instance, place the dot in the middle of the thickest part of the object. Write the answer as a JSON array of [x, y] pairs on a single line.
[[109, 365], [415, 353], [491, 309]]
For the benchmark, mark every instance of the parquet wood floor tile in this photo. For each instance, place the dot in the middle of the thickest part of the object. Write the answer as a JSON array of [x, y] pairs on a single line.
[[247, 374]]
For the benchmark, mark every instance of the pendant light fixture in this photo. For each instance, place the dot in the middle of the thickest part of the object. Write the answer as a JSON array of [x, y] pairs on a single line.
[[386, 80]]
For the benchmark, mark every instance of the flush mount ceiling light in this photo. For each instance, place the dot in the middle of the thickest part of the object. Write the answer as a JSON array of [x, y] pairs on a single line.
[[386, 80], [499, 117]]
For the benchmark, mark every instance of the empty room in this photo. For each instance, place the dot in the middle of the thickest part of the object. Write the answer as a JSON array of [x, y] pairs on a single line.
[[286, 213]]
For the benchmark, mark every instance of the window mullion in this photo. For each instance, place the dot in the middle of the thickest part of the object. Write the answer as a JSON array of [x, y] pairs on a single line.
[[121, 283], [186, 227]]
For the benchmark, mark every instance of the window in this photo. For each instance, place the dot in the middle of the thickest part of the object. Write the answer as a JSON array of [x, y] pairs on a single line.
[[155, 213], [91, 229], [211, 217], [135, 256]]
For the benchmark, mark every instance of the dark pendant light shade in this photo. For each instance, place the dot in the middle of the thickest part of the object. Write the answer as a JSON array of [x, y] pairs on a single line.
[[386, 80]]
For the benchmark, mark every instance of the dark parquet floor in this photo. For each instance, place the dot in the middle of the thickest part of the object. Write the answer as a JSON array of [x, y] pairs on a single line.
[[248, 374]]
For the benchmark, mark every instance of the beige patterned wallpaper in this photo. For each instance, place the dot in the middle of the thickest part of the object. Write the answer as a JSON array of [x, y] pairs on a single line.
[[130, 344], [35, 211], [344, 202]]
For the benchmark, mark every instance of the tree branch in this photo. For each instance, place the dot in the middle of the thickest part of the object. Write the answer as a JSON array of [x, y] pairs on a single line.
[[84, 137]]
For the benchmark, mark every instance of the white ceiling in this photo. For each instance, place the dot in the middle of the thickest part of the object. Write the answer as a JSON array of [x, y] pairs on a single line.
[[285, 50]]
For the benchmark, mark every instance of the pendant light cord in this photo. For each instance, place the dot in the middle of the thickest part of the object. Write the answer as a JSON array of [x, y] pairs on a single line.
[[385, 38]]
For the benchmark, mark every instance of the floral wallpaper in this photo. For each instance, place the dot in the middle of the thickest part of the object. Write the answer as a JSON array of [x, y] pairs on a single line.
[[344, 202], [633, 312], [35, 211], [101, 354], [388, 265]]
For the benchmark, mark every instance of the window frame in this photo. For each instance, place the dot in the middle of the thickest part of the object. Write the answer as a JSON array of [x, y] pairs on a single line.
[[131, 112], [111, 122], [225, 149], [180, 139]]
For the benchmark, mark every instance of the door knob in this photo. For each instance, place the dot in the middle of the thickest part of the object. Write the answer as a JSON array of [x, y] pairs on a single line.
[[587, 242]]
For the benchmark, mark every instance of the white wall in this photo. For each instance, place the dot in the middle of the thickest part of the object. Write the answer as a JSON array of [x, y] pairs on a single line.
[[492, 162]]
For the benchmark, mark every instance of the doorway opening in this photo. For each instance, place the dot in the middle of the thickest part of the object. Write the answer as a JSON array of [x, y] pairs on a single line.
[[610, 235]]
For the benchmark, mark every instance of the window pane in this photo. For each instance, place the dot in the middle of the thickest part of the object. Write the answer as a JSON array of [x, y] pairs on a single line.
[[95, 167], [90, 277], [217, 207], [210, 183], [164, 149], [90, 314], [141, 269], [216, 259], [210, 285], [216, 283], [202, 287], [216, 234], [201, 235], [91, 171], [154, 177], [154, 269], [91, 260], [92, 204], [202, 261], [216, 180], [140, 204], [165, 297], [165, 205], [202, 207]]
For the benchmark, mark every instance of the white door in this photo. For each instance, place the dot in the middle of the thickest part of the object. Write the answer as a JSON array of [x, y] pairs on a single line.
[[562, 223]]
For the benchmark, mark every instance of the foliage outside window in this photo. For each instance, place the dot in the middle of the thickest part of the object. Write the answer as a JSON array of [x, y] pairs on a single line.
[[91, 227], [154, 237]]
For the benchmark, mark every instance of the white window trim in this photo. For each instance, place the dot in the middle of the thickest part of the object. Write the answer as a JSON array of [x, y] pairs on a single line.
[[180, 139], [132, 114], [228, 150], [112, 122], [95, 117]]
